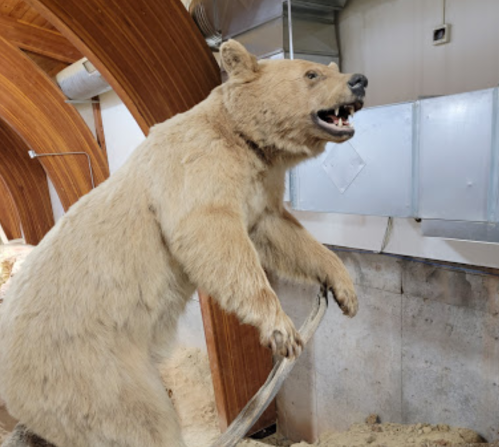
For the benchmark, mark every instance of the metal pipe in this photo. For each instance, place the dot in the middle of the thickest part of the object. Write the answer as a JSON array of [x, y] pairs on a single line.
[[290, 31], [33, 154]]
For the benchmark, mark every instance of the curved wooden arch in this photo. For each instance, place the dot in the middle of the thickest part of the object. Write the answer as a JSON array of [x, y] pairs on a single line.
[[9, 217], [150, 52], [27, 183], [32, 104]]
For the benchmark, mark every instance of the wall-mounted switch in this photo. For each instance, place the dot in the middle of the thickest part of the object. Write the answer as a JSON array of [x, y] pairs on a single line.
[[441, 34]]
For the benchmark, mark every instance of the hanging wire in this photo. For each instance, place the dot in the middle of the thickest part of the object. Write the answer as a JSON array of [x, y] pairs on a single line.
[[386, 236]]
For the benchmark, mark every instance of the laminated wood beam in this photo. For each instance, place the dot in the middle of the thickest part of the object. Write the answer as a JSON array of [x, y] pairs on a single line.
[[35, 108], [38, 40], [239, 364], [26, 183], [150, 52]]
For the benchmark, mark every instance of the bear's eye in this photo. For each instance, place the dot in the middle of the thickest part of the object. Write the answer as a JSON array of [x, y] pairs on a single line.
[[312, 75]]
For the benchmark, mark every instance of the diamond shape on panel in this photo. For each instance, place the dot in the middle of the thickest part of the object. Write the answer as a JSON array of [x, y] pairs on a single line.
[[342, 165]]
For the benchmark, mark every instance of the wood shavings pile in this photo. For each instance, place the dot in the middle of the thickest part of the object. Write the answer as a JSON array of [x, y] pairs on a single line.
[[12, 257], [373, 434], [187, 378]]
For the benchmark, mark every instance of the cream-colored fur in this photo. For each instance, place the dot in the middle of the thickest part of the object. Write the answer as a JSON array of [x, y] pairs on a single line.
[[198, 205]]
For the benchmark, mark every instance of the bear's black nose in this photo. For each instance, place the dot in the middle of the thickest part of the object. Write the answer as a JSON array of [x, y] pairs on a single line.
[[358, 84]]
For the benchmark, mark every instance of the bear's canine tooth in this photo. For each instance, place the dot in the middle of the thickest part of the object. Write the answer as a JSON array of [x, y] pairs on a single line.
[[337, 111], [340, 123]]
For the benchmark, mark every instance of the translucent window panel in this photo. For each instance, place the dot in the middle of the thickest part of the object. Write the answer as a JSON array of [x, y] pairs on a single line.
[[371, 174], [455, 154]]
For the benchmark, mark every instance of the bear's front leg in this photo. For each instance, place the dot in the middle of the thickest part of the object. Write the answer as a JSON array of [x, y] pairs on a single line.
[[289, 250], [216, 252]]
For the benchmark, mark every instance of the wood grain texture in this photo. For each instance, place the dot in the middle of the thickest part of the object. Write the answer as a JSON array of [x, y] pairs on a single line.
[[150, 52], [20, 10], [9, 217], [35, 108], [99, 126], [38, 40], [26, 182], [239, 364]]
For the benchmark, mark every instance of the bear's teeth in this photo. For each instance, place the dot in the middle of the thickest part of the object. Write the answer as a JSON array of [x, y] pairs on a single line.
[[337, 111], [340, 123]]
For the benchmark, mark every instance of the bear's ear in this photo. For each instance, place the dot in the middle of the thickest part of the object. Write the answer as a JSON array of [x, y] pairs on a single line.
[[237, 61], [334, 66]]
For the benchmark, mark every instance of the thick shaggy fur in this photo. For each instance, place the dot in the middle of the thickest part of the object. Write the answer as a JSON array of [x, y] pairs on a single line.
[[198, 205]]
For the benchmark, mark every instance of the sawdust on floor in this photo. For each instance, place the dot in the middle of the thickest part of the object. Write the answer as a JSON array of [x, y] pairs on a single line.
[[397, 435], [187, 379]]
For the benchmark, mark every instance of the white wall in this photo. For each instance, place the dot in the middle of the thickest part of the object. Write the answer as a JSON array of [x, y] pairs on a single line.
[[390, 41], [121, 131]]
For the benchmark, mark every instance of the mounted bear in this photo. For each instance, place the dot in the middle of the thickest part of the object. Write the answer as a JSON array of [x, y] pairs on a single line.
[[198, 205]]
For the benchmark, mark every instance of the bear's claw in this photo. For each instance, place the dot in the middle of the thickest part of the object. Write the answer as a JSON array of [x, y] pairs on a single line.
[[284, 339]]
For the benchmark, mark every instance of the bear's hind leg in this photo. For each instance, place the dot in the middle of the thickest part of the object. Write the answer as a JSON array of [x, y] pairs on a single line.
[[140, 419]]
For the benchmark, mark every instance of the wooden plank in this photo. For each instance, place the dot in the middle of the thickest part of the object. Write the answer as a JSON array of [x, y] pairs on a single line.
[[26, 182], [99, 127], [18, 9], [35, 108], [8, 6], [239, 364], [9, 217], [48, 65], [38, 40]]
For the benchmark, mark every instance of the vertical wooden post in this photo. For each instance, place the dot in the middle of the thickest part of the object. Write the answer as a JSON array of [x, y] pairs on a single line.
[[99, 127], [239, 364]]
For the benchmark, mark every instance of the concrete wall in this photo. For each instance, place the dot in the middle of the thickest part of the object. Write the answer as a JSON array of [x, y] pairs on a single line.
[[423, 348], [391, 42]]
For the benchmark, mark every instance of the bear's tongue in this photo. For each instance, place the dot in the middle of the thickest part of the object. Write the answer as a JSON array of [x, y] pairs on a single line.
[[333, 119]]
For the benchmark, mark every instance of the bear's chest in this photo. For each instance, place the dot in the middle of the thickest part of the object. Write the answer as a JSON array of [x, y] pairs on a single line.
[[256, 202]]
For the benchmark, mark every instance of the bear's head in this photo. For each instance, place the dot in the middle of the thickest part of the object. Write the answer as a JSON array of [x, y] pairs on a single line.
[[293, 106]]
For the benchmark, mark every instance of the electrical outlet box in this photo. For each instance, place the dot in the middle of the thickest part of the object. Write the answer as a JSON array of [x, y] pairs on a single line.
[[441, 34]]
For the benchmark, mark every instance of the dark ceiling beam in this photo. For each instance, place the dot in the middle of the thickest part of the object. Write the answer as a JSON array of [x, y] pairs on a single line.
[[26, 182], [150, 52], [38, 40], [33, 105]]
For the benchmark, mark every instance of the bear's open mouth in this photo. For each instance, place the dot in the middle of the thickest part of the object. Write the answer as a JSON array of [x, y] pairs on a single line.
[[336, 120]]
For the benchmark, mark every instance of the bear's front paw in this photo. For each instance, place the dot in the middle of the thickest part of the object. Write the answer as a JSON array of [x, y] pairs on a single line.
[[345, 295], [282, 337]]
